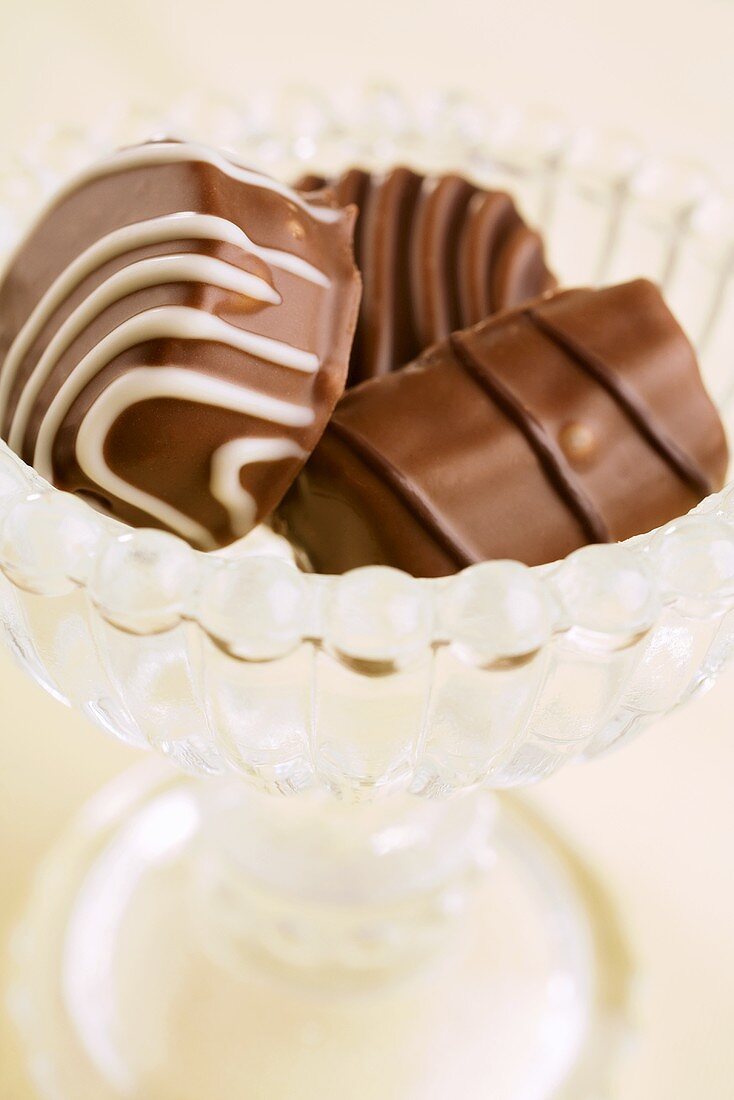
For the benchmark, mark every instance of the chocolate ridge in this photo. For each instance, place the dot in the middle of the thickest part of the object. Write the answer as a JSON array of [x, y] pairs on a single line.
[[683, 464], [435, 256], [407, 490], [484, 236], [386, 219], [550, 457]]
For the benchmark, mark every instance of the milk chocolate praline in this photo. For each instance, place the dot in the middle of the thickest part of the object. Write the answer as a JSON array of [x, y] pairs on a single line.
[[174, 334], [581, 418], [436, 253]]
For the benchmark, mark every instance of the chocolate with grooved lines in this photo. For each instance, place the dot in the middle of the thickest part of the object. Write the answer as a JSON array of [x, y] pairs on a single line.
[[437, 253], [174, 334], [578, 418]]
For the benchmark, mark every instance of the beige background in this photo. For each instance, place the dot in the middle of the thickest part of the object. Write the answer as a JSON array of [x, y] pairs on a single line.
[[656, 820]]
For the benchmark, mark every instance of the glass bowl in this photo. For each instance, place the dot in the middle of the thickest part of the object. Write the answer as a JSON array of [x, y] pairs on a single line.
[[364, 700]]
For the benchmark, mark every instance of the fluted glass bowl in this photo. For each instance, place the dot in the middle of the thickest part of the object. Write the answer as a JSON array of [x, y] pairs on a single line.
[[134, 971], [376, 681]]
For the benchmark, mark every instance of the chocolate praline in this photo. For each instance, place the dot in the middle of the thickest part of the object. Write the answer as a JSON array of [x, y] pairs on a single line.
[[174, 334], [436, 253], [578, 418]]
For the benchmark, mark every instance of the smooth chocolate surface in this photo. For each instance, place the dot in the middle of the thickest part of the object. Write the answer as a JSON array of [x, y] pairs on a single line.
[[578, 418], [174, 334], [437, 253]]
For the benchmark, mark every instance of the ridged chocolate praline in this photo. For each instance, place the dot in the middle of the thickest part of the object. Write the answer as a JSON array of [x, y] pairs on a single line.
[[436, 253], [578, 418]]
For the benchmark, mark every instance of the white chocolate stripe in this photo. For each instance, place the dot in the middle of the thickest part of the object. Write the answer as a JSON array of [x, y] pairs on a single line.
[[168, 227], [227, 464], [177, 323], [146, 383], [173, 152], [156, 271]]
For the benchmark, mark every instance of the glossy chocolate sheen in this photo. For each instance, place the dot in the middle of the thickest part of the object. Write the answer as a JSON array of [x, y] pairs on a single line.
[[578, 418], [174, 334], [437, 253]]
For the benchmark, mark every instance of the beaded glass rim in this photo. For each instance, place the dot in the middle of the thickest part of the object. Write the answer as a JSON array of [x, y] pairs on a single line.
[[259, 606]]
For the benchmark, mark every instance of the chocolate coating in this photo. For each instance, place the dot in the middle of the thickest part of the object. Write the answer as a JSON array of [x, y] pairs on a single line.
[[578, 418], [437, 253], [174, 334]]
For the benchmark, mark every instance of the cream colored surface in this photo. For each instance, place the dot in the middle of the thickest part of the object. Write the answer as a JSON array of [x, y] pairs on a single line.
[[656, 820]]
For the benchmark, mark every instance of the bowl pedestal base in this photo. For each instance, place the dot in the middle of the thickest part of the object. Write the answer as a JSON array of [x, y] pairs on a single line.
[[158, 962]]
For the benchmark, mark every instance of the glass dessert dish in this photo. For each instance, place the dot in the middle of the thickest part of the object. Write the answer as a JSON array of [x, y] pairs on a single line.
[[330, 888]]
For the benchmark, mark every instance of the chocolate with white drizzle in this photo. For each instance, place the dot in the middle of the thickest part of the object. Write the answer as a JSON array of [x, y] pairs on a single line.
[[578, 418], [174, 333], [437, 253]]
